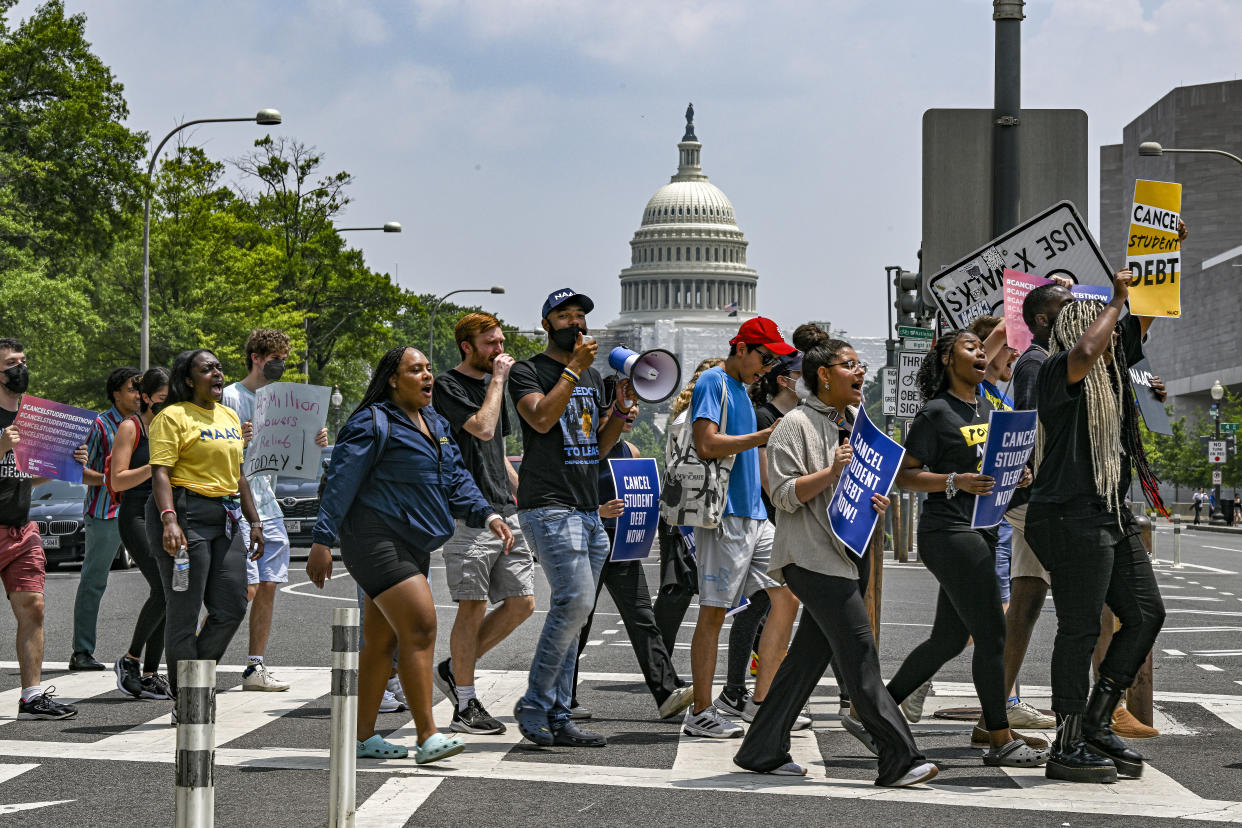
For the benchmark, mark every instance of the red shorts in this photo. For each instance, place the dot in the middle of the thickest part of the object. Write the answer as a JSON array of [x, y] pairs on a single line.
[[23, 567]]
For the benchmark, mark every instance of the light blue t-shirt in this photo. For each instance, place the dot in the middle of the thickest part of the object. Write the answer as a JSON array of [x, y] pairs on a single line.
[[262, 485], [745, 491]]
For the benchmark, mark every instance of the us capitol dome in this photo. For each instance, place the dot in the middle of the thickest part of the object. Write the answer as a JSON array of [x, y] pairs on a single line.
[[688, 286]]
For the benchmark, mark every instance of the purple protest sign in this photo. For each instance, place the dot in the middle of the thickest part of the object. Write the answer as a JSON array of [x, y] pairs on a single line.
[[50, 433]]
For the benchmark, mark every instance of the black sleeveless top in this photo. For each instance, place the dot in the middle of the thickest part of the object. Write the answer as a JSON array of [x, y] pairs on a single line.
[[141, 457]]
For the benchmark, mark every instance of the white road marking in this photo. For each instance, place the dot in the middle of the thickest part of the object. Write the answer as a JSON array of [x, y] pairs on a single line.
[[1222, 548], [1211, 668], [1191, 598], [1203, 612], [7, 772], [1218, 652], [610, 632], [1177, 653], [30, 806], [396, 801]]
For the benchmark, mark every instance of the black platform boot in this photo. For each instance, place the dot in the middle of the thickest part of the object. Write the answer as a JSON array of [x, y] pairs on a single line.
[[1097, 729], [1072, 760]]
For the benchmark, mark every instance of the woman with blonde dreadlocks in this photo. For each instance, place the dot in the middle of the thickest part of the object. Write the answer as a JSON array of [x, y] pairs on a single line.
[[1083, 535]]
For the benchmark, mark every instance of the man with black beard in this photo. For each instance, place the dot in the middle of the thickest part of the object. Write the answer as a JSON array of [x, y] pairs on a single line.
[[22, 564], [560, 398], [477, 568]]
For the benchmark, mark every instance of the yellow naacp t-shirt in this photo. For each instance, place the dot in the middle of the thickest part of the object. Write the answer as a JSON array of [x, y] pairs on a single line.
[[201, 447]]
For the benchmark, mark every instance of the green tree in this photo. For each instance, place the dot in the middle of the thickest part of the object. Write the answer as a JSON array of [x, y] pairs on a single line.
[[62, 119]]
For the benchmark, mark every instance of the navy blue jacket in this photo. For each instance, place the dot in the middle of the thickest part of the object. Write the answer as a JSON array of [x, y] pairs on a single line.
[[418, 486]]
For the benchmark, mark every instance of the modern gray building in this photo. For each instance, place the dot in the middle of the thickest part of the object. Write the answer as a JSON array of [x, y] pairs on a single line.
[[1202, 346]]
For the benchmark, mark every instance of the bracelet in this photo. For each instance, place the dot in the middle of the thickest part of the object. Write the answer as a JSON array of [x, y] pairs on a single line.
[[167, 512], [616, 412], [949, 488], [571, 375]]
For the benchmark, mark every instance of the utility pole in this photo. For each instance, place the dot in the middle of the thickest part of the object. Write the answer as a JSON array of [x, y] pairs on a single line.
[[1006, 111]]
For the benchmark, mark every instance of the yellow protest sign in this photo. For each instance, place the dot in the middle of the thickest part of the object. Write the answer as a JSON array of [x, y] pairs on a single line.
[[1153, 251]]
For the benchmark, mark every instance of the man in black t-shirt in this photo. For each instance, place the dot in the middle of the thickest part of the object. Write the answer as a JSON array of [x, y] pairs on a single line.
[[477, 568], [22, 563], [560, 398]]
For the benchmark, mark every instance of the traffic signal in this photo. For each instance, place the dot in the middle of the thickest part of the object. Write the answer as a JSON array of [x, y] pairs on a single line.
[[907, 303]]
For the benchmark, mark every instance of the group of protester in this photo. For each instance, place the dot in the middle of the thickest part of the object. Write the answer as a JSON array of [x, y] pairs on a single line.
[[420, 465], [163, 469]]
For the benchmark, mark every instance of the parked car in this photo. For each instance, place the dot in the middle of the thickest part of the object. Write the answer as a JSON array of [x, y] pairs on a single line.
[[299, 501], [59, 508]]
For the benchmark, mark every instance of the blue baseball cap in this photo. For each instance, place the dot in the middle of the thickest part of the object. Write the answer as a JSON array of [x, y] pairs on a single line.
[[564, 296]]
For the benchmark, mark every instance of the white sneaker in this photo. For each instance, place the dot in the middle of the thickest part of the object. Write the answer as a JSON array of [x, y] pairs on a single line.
[[1025, 715], [678, 700], [710, 723], [916, 774], [390, 704], [751, 709], [394, 687], [912, 705], [260, 679]]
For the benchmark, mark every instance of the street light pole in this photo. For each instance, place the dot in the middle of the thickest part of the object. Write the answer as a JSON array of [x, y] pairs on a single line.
[[431, 327], [265, 117], [1154, 148], [387, 227], [1218, 393]]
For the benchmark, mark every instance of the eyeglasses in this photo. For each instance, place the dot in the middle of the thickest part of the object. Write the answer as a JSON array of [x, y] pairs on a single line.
[[851, 365]]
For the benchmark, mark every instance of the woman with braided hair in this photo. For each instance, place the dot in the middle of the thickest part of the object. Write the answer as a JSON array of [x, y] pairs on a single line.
[[1088, 541], [944, 454]]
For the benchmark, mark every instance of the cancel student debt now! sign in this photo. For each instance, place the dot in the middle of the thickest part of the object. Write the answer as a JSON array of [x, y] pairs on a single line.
[[1153, 251]]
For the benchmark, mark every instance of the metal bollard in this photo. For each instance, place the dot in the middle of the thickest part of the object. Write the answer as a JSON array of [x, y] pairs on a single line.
[[1177, 541], [343, 756], [196, 743]]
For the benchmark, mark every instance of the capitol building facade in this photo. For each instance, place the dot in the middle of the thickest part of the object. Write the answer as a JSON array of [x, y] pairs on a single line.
[[688, 286]]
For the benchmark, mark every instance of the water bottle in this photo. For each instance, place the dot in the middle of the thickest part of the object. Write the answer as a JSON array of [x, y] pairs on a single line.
[[181, 570]]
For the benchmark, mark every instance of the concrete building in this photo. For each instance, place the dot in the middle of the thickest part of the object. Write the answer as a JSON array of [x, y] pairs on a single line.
[[1202, 346], [687, 270]]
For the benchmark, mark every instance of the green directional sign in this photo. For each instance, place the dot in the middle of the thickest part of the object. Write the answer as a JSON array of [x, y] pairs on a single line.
[[909, 332], [1229, 428]]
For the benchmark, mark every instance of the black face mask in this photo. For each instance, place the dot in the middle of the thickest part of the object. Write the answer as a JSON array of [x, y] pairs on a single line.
[[566, 338], [274, 370], [17, 378]]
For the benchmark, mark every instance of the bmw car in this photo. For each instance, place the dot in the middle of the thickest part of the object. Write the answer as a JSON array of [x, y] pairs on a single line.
[[58, 508]]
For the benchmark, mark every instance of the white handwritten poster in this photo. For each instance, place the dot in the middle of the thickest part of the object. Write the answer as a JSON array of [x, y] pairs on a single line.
[[287, 416]]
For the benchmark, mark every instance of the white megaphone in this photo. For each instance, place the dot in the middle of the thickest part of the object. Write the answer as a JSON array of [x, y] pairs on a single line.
[[655, 375]]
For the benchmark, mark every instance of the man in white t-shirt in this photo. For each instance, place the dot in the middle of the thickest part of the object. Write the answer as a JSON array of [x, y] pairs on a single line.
[[266, 352]]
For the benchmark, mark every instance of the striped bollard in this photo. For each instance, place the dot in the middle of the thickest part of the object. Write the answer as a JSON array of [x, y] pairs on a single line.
[[196, 744], [1177, 541], [343, 757]]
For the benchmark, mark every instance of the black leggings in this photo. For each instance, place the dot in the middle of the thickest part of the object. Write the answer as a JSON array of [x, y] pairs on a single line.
[[148, 638], [744, 638], [968, 606], [835, 627]]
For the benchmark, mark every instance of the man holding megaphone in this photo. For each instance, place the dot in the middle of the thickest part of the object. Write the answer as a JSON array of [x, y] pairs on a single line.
[[560, 399]]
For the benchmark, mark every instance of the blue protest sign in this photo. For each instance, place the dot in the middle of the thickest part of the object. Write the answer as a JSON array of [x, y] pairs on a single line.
[[877, 459], [1011, 438], [1101, 292], [638, 484]]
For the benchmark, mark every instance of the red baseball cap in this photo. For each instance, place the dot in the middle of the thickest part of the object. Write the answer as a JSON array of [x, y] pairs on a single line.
[[763, 331]]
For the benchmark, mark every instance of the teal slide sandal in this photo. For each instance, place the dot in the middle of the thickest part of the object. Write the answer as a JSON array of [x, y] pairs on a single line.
[[377, 748], [438, 747]]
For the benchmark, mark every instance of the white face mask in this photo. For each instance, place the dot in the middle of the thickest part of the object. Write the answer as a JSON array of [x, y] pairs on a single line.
[[801, 390]]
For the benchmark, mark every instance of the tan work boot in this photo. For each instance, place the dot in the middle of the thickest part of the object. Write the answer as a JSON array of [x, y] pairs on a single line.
[[1125, 725]]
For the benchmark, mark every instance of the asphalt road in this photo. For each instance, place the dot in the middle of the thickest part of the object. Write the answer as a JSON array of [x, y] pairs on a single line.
[[112, 764]]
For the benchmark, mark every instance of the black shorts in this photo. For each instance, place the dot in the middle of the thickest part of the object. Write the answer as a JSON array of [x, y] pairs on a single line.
[[376, 556]]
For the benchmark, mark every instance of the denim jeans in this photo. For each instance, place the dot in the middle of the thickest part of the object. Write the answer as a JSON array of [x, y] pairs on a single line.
[[571, 546], [103, 536]]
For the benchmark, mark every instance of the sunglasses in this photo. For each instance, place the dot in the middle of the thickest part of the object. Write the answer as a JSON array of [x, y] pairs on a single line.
[[850, 365], [769, 358]]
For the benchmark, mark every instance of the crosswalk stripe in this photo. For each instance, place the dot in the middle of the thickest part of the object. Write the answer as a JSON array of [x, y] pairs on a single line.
[[237, 713], [396, 801]]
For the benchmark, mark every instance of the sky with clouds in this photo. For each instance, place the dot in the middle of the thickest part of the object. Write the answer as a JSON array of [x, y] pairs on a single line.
[[518, 140]]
